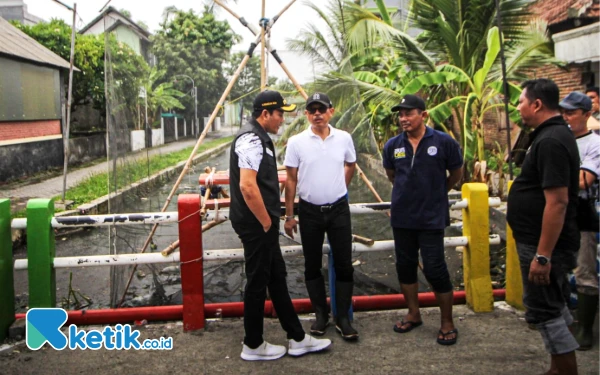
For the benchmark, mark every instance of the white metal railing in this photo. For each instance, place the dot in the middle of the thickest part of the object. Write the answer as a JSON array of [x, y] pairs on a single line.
[[153, 258], [172, 217]]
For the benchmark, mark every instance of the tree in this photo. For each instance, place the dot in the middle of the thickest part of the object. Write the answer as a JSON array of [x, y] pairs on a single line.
[[197, 46], [88, 82], [160, 96], [452, 58]]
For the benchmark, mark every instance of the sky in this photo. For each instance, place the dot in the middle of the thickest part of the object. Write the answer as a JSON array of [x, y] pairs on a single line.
[[150, 12]]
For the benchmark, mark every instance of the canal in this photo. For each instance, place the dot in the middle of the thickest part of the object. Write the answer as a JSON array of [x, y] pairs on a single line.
[[224, 280]]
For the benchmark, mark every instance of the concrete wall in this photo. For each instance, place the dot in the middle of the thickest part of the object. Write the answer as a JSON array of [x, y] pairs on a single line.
[[127, 36], [138, 140], [21, 160], [85, 117], [158, 137], [84, 149]]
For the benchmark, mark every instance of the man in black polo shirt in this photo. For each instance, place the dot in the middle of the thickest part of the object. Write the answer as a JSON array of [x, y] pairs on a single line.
[[254, 214], [541, 213], [416, 162]]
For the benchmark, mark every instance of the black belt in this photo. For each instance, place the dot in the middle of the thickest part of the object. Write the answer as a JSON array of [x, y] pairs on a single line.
[[325, 207]]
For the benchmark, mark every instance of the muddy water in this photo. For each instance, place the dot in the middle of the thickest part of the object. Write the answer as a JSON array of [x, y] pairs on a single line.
[[160, 284]]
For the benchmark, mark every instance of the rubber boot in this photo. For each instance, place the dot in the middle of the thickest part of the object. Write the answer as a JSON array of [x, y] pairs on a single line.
[[343, 300], [586, 314], [318, 299]]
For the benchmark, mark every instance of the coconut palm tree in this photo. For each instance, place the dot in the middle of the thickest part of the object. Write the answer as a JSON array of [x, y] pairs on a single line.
[[450, 59]]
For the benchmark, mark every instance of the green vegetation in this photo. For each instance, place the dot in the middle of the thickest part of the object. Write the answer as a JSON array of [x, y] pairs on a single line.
[[88, 83], [97, 185], [447, 51], [196, 45]]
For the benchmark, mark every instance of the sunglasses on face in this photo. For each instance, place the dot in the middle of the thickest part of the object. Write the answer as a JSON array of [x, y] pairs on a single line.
[[313, 110]]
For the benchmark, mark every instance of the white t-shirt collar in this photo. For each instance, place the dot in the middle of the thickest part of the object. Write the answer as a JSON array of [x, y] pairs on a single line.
[[312, 134]]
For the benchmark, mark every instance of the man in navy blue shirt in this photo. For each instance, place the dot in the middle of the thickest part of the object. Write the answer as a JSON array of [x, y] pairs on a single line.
[[416, 162]]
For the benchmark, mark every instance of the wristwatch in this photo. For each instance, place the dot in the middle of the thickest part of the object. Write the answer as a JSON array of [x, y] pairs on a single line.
[[541, 259], [288, 218]]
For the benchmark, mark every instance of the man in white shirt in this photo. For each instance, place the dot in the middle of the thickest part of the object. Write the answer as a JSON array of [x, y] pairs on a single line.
[[576, 109], [320, 163]]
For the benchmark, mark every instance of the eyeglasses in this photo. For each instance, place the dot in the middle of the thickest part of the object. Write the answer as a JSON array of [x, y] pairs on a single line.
[[313, 110]]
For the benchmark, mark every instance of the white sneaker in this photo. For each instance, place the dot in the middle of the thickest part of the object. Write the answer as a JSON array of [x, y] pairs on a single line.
[[308, 345], [265, 352]]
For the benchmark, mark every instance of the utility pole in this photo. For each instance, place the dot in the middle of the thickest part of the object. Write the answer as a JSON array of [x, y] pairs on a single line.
[[196, 124], [69, 98], [506, 92], [194, 93]]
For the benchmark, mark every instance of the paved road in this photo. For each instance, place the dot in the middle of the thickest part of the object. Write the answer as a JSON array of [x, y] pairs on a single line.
[[53, 186], [489, 343]]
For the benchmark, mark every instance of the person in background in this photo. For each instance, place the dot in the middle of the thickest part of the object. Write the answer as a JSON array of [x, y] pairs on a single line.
[[594, 94], [576, 109]]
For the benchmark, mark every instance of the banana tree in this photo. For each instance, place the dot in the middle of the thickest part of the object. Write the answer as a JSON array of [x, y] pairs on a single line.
[[484, 93], [160, 96]]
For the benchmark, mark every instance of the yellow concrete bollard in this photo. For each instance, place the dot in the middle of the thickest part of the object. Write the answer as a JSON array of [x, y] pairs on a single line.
[[514, 279], [476, 258]]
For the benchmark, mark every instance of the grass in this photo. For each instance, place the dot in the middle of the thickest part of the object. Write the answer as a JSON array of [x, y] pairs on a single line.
[[96, 186]]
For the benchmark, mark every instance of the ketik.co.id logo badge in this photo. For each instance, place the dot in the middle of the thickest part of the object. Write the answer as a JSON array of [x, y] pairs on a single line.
[[44, 326]]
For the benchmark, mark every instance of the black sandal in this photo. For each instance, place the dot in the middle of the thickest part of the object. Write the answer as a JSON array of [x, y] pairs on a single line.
[[444, 341], [410, 327]]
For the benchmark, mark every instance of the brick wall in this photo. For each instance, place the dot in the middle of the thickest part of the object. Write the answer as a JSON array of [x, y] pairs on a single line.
[[554, 11], [567, 80], [28, 129]]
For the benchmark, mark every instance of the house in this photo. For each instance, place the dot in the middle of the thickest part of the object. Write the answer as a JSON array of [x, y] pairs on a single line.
[[31, 105], [17, 10], [125, 30], [575, 29]]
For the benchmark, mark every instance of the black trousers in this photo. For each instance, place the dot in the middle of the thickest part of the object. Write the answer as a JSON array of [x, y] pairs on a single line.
[[407, 243], [334, 220], [265, 268]]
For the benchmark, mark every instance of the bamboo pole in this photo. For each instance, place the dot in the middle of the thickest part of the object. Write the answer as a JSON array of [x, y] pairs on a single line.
[[263, 72], [169, 249], [206, 227], [69, 100], [368, 183], [363, 240], [189, 161], [206, 194]]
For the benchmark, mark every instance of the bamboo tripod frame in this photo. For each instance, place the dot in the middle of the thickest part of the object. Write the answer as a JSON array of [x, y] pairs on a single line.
[[265, 47]]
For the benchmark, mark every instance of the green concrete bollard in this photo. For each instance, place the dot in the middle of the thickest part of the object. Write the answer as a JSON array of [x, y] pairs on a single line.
[[476, 258], [7, 286], [40, 253]]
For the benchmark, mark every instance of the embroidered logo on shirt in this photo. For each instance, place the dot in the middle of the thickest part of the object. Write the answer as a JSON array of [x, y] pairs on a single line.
[[432, 150], [399, 153], [269, 151]]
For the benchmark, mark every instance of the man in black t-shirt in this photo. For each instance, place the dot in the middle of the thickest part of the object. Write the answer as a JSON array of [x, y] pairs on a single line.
[[541, 213]]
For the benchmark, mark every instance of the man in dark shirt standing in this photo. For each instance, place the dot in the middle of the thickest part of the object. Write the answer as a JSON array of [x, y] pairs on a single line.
[[541, 213], [423, 164], [254, 214]]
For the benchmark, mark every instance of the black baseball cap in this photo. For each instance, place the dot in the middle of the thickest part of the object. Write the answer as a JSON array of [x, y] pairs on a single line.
[[270, 99], [321, 98], [410, 102], [576, 100]]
